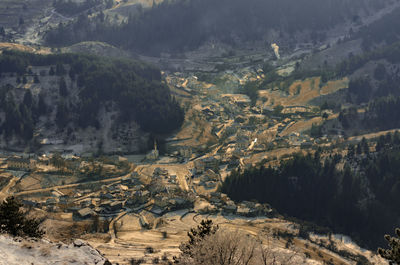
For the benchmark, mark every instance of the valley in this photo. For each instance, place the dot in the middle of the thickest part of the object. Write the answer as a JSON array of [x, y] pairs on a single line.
[[126, 205], [125, 131]]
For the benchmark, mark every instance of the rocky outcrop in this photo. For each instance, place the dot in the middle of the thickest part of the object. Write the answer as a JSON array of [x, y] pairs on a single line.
[[19, 251]]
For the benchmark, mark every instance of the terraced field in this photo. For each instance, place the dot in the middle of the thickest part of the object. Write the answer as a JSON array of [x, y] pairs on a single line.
[[134, 242]]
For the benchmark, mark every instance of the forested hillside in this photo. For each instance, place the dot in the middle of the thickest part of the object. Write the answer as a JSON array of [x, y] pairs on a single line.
[[71, 8], [383, 31], [73, 89], [182, 25], [359, 200]]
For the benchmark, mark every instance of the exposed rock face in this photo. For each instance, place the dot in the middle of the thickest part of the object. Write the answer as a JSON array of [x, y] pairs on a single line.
[[19, 251]]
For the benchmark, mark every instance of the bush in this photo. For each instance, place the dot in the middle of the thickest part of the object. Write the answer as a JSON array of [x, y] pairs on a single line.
[[149, 250], [136, 261]]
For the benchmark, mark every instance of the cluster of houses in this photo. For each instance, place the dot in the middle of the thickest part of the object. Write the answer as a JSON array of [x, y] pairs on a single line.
[[20, 163], [242, 129], [152, 195], [131, 194]]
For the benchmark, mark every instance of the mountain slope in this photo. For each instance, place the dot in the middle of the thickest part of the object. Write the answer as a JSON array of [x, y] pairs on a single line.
[[186, 25], [80, 99]]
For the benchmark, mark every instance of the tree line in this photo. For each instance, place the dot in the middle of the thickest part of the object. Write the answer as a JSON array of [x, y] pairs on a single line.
[[383, 31], [391, 53], [70, 8]]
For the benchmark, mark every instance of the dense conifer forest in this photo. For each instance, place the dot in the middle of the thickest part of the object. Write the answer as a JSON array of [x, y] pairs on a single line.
[[359, 200], [185, 25], [136, 88], [67, 7]]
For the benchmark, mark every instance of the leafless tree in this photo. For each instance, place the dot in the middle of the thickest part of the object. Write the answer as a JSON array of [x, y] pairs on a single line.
[[227, 247], [270, 255]]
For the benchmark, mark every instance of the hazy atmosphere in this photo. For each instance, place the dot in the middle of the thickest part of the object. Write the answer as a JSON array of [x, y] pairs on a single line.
[[215, 132]]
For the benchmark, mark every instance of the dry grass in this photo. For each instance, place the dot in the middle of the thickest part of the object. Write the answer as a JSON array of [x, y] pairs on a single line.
[[45, 251], [302, 92], [23, 48], [371, 135]]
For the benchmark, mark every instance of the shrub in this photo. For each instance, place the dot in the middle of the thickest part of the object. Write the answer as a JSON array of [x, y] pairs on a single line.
[[149, 250]]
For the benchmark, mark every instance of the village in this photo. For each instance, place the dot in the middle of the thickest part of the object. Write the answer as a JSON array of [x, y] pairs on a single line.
[[153, 199], [223, 131]]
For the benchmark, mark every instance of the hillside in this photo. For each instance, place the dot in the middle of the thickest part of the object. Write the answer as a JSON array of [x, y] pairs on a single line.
[[186, 25], [85, 102], [278, 120]]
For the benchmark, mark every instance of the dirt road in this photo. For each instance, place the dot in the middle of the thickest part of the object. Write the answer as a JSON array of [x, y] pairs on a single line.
[[4, 193]]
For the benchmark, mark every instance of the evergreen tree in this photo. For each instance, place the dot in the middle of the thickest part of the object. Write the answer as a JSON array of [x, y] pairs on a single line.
[[42, 106], [51, 71], [13, 221], [359, 149], [21, 21], [364, 145], [197, 234], [27, 129], [28, 100], [392, 254], [13, 117], [351, 151], [72, 74], [36, 79], [60, 70], [63, 87], [62, 115]]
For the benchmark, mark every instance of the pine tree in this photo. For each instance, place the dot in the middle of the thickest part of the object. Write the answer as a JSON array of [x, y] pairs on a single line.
[[364, 145], [13, 221], [63, 87], [28, 98], [13, 117], [36, 79], [62, 115], [27, 129], [60, 70], [72, 74], [42, 106], [195, 235], [51, 71], [392, 254]]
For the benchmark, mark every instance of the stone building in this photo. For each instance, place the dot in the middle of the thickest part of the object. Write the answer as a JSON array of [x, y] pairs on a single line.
[[18, 163], [154, 154]]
